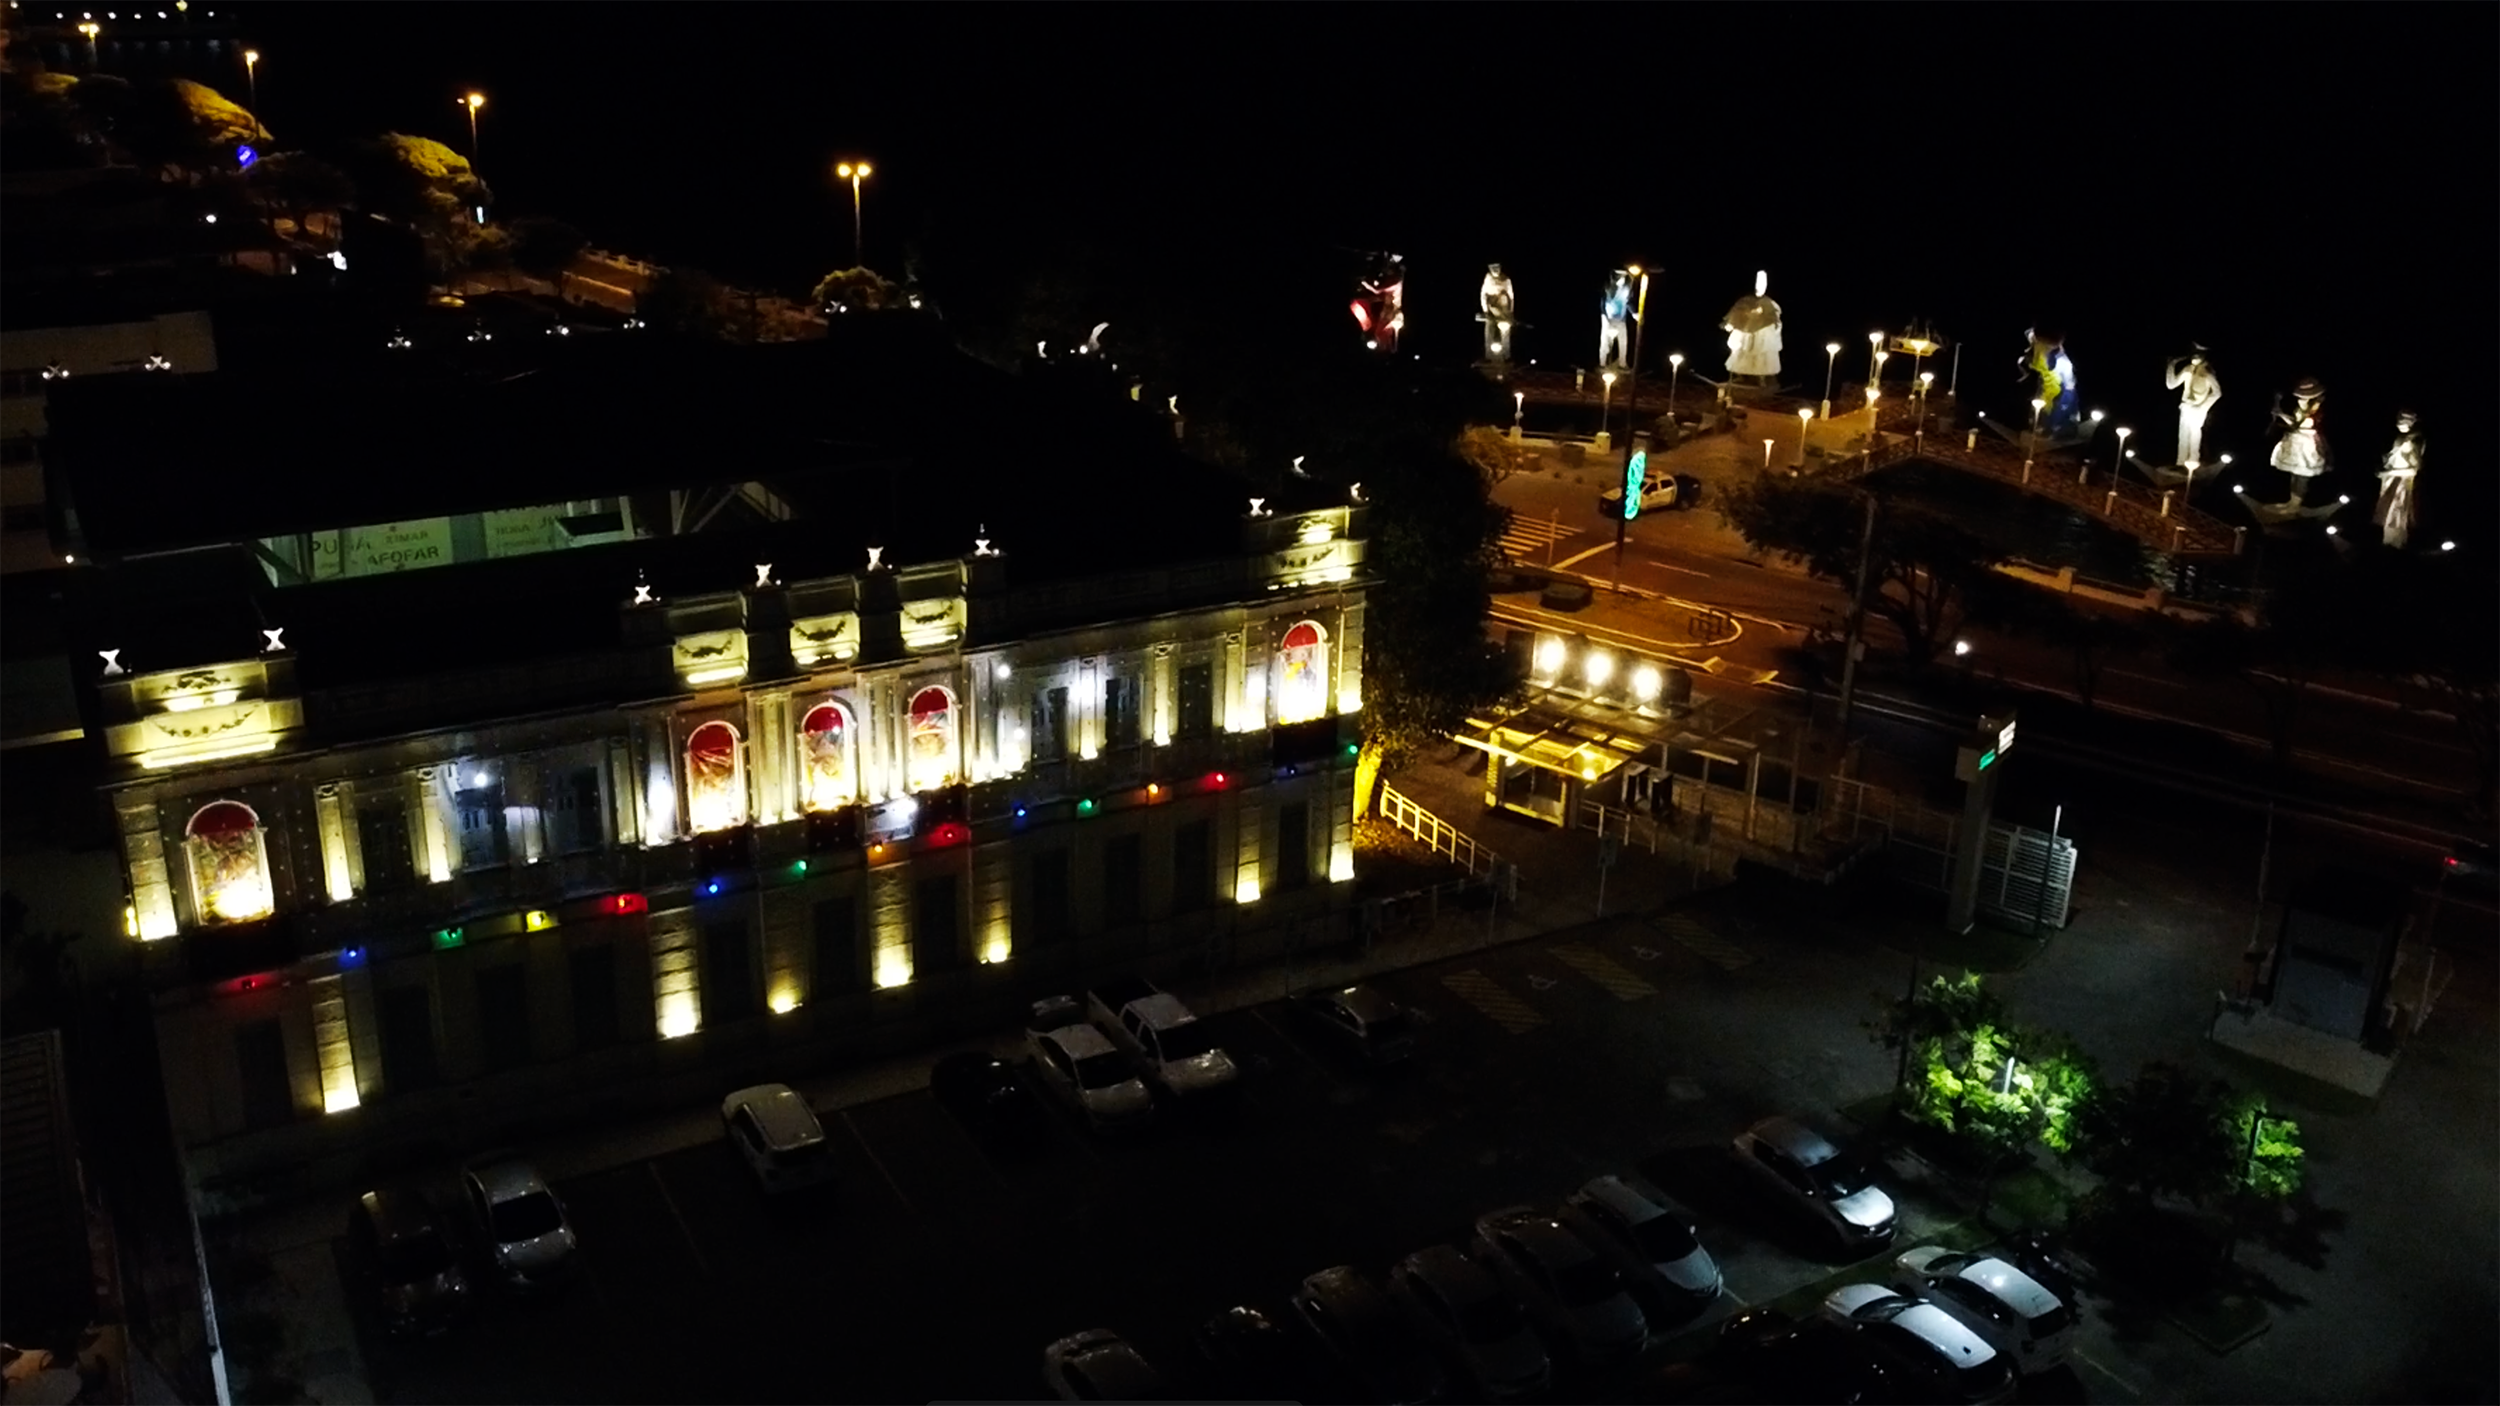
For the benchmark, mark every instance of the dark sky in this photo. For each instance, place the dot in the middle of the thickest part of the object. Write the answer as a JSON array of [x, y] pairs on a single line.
[[2309, 190]]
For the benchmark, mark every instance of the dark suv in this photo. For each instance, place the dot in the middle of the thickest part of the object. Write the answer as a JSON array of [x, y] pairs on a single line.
[[413, 1265]]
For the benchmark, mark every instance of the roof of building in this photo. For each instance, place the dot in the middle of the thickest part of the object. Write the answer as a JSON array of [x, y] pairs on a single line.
[[45, 1259]]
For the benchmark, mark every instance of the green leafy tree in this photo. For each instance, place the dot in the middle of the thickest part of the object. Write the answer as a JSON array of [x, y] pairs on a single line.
[[2166, 1134], [1925, 571], [422, 184], [688, 302], [858, 290], [1994, 1088], [546, 248], [300, 186]]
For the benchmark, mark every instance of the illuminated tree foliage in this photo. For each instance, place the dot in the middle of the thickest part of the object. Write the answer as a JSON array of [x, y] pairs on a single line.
[[422, 184], [1927, 571], [2169, 1135], [1992, 1086], [858, 290]]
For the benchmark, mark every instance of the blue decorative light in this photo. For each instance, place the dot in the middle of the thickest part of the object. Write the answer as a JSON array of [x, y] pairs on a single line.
[[712, 887], [244, 156], [352, 957]]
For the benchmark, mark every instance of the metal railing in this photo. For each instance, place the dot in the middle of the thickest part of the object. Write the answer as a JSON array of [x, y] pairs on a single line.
[[1434, 833]]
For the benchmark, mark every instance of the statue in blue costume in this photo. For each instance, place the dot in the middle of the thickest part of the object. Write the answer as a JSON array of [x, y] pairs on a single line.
[[1614, 321], [2052, 378]]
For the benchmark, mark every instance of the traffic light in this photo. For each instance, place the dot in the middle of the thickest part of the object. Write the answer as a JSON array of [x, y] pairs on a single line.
[[1635, 473]]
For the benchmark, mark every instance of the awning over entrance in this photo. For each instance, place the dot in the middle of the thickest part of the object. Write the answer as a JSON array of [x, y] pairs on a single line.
[[1578, 739]]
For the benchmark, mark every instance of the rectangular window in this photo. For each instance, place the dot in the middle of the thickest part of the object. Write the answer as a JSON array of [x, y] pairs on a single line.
[[382, 839], [1293, 845], [1050, 725], [407, 1014], [503, 1014], [1124, 880], [580, 812], [593, 973], [1196, 711], [22, 517], [260, 1056], [937, 922], [839, 969], [1193, 866], [1053, 908], [729, 988], [1119, 710], [481, 814]]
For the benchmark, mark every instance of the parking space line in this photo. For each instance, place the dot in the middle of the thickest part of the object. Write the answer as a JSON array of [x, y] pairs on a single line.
[[879, 1164], [2114, 1379], [1603, 970], [702, 1266], [1516, 1017], [1296, 1046], [1696, 937]]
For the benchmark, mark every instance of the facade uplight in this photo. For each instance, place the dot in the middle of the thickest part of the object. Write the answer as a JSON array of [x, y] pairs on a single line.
[[1549, 655], [1599, 667]]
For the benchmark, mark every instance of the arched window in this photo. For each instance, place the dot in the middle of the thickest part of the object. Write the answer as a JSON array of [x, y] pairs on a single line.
[[1302, 674], [716, 778], [825, 758], [229, 863], [931, 763]]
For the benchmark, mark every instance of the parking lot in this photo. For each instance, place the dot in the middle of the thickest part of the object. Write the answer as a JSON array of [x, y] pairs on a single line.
[[936, 1269]]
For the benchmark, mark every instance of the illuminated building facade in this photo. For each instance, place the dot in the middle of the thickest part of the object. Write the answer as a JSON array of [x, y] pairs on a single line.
[[578, 829]]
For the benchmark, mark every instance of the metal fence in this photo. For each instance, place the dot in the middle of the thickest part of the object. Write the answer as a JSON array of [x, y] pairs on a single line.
[[2026, 876], [1433, 832]]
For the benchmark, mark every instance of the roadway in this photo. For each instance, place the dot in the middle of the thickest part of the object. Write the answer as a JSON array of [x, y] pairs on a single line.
[[2354, 738]]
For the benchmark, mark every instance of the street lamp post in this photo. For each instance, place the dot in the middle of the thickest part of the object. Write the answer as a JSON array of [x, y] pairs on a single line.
[[854, 172], [1926, 383], [1675, 372], [1805, 425], [473, 102], [2031, 437], [2120, 462], [1605, 411], [1874, 357], [1632, 390], [1872, 395], [251, 81], [1831, 363], [1518, 408], [91, 29]]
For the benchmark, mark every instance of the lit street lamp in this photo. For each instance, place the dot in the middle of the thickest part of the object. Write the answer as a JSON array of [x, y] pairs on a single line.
[[1805, 424], [251, 80], [1831, 363], [1874, 356], [473, 102], [1518, 408], [1640, 318], [1605, 411], [1675, 371], [2121, 461], [91, 29], [854, 172]]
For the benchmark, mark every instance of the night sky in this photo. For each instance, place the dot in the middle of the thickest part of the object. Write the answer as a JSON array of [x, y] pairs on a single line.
[[2307, 190]]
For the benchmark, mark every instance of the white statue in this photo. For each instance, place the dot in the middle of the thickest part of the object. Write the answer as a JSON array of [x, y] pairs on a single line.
[[1614, 321], [2301, 452], [1497, 308], [2198, 389], [2396, 471], [1753, 333]]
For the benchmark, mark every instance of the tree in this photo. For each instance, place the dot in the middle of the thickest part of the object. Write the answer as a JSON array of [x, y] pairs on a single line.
[[546, 248], [688, 302], [858, 290], [299, 185], [1925, 570], [1992, 1087], [2092, 635], [423, 184]]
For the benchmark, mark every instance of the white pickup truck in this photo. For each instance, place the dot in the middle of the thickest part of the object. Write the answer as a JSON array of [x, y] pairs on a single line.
[[1153, 1025]]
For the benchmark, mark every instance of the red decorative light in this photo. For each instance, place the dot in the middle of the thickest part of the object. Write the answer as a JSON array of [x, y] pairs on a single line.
[[950, 833], [1219, 778], [629, 903]]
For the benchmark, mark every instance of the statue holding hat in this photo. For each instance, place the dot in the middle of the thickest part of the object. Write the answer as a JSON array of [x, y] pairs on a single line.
[[2397, 469], [2193, 378], [2302, 451]]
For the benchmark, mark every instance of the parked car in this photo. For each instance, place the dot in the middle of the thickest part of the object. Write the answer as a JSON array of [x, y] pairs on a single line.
[[1575, 1296], [1173, 1044], [416, 1276], [1368, 1336], [778, 1135], [1100, 1365], [1361, 1022], [1659, 490], [1646, 1235], [1081, 1065], [520, 1219], [1928, 1349], [1801, 1170], [2018, 1316], [1765, 1355], [984, 1091], [1464, 1311], [1252, 1357], [2472, 864]]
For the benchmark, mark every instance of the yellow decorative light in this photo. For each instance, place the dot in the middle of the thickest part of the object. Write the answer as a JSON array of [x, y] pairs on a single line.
[[538, 920], [995, 952], [168, 757], [192, 702], [718, 673], [893, 969], [783, 1001], [1340, 862], [678, 1016], [1246, 889], [340, 1099]]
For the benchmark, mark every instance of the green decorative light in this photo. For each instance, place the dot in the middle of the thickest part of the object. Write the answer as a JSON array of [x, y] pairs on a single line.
[[448, 939], [798, 866], [1635, 474], [1086, 806]]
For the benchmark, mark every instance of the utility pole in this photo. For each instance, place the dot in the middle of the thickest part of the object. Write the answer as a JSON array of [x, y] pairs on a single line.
[[1635, 478], [1857, 623], [1640, 318]]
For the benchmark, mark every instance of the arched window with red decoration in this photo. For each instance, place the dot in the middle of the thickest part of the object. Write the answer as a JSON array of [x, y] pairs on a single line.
[[716, 778], [228, 856], [930, 761], [825, 774], [1302, 674]]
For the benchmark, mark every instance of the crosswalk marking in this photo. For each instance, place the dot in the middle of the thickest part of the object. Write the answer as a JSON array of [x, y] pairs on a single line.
[[1516, 1017], [1527, 537], [1697, 938], [1604, 970]]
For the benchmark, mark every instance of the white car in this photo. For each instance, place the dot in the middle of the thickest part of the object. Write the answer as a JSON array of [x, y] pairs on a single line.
[[1647, 1237], [1929, 1350], [778, 1135], [1100, 1365], [1462, 1308], [1576, 1297], [1658, 491], [520, 1218], [1801, 1168], [2013, 1311], [1081, 1065]]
